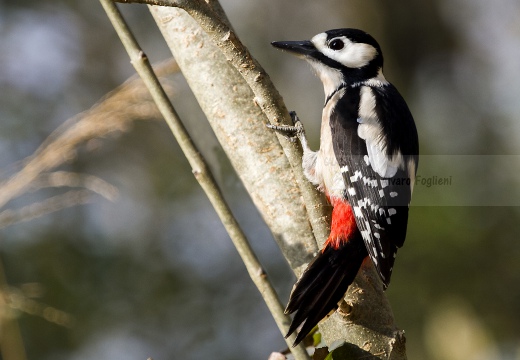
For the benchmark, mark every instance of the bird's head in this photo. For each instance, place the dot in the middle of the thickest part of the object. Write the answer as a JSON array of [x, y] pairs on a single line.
[[339, 56]]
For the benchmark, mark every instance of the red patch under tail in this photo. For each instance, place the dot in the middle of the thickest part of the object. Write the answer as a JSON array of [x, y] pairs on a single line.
[[343, 224]]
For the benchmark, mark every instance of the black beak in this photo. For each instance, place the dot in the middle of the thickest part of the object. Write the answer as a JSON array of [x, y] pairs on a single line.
[[304, 48]]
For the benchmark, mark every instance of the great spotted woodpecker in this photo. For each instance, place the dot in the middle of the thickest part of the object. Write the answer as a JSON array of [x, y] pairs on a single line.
[[366, 166]]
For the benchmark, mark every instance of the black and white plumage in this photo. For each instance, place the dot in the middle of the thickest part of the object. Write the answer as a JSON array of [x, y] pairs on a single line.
[[367, 159]]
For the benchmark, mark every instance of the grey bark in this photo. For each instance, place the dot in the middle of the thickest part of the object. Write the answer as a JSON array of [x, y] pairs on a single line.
[[239, 124]]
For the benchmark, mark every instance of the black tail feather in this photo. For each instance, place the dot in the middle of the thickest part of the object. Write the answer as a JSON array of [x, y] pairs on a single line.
[[323, 285]]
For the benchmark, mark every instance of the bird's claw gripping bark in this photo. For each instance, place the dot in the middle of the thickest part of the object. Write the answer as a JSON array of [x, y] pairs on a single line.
[[291, 132]]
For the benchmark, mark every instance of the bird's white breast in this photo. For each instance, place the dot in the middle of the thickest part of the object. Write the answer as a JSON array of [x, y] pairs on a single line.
[[327, 168]]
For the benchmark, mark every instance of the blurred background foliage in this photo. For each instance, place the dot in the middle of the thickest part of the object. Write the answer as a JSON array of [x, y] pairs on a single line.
[[153, 272]]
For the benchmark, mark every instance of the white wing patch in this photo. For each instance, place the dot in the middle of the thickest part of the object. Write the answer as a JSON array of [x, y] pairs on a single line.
[[411, 173], [370, 130]]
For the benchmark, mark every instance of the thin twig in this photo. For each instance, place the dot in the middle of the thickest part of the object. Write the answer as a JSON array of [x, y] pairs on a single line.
[[17, 300], [48, 206], [201, 172], [11, 341], [72, 179]]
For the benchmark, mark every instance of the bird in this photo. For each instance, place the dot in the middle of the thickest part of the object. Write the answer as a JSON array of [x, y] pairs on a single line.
[[366, 166]]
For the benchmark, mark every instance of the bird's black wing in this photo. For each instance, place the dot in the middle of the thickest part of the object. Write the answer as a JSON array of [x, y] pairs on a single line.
[[380, 202]]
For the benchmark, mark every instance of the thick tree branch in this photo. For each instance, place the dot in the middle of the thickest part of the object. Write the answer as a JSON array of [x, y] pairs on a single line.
[[239, 124], [211, 18]]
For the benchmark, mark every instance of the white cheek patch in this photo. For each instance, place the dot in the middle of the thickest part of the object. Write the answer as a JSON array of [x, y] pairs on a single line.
[[353, 55]]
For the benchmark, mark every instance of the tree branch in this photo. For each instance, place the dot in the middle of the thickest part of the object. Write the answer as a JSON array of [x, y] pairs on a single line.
[[202, 173], [211, 18]]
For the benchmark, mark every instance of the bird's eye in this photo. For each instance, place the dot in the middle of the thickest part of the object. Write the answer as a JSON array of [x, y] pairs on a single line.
[[336, 44]]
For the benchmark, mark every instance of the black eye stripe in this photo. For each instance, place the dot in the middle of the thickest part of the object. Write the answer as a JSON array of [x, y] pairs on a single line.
[[336, 44]]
